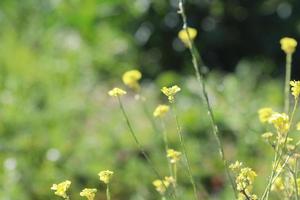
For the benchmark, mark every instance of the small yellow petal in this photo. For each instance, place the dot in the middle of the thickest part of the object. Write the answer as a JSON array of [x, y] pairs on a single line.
[[288, 45]]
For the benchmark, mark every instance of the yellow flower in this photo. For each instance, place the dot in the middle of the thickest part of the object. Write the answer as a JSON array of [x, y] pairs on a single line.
[[295, 88], [267, 135], [235, 167], [264, 114], [187, 35], [298, 126], [89, 193], [245, 178], [161, 110], [61, 188], [280, 121], [278, 185], [131, 78], [173, 155], [170, 92], [162, 185], [288, 45], [116, 92], [105, 176]]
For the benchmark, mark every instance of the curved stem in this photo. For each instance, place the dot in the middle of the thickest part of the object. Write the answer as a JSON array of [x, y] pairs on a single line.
[[196, 60], [183, 148], [151, 164]]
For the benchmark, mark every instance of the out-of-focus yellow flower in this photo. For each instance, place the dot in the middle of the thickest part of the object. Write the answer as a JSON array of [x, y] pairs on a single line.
[[105, 176], [61, 188], [295, 88], [162, 185], [161, 110], [173, 155], [288, 45], [131, 78], [89, 193], [235, 167], [267, 135], [187, 35], [245, 178], [280, 121], [115, 92], [264, 114], [278, 185], [170, 92], [298, 126]]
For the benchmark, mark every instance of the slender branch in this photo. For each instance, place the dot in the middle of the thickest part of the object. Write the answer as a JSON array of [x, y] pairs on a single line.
[[288, 67], [196, 60], [151, 164], [182, 144]]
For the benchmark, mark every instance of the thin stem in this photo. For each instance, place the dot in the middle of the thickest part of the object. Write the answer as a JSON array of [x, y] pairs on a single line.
[[151, 164], [148, 113], [288, 67], [295, 179], [165, 136], [136, 139], [294, 111], [278, 158], [174, 167], [274, 168], [108, 192], [166, 144], [196, 60], [183, 148]]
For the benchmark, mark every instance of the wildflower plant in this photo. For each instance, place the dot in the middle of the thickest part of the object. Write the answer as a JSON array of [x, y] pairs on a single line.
[[105, 176], [283, 177]]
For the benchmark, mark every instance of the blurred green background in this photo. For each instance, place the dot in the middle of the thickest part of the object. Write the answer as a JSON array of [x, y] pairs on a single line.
[[58, 59]]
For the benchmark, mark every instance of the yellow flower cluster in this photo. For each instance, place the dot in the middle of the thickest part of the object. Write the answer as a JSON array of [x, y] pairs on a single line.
[[235, 167], [280, 121], [105, 176], [278, 185], [162, 185], [161, 110], [116, 92], [244, 180], [170, 92], [131, 78], [265, 114], [288, 45], [61, 188], [295, 88], [173, 155], [187, 35], [267, 135], [89, 193]]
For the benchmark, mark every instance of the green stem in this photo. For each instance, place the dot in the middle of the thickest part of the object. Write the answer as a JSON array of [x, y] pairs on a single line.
[[196, 60], [108, 192], [183, 148], [278, 158], [166, 144], [136, 139], [274, 168], [295, 179], [288, 67], [148, 113], [174, 166], [141, 149]]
